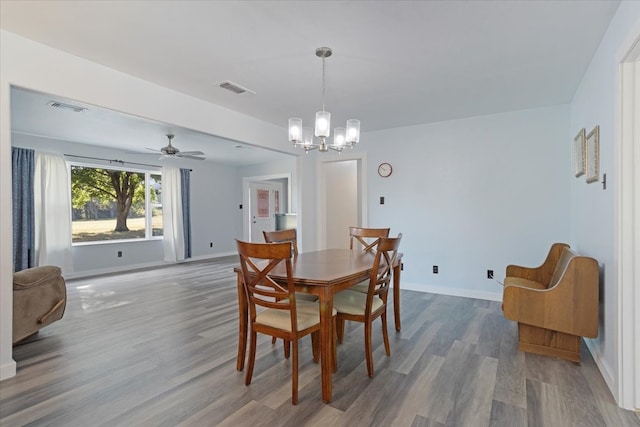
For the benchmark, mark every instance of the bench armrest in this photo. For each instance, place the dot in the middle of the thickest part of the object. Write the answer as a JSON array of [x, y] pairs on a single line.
[[543, 272]]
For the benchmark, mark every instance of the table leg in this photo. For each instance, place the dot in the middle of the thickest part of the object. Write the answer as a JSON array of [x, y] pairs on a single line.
[[396, 294], [242, 320], [326, 336]]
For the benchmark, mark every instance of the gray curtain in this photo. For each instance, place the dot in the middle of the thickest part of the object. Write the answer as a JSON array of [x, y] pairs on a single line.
[[23, 166], [185, 186]]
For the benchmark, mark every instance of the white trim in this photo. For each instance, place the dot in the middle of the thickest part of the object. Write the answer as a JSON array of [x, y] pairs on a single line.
[[603, 367], [8, 370], [452, 291], [626, 239], [361, 160], [246, 213], [146, 265]]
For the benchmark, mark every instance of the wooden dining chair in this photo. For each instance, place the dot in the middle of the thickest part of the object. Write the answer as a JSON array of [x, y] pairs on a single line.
[[273, 308], [288, 235], [365, 239], [365, 308]]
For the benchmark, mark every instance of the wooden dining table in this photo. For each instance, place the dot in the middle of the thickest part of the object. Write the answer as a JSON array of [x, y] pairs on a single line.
[[321, 273]]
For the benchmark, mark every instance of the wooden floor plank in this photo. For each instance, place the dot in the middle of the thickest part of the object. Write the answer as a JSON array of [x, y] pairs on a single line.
[[157, 347]]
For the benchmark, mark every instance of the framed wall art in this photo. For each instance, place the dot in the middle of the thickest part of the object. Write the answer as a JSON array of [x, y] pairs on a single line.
[[579, 157], [593, 155]]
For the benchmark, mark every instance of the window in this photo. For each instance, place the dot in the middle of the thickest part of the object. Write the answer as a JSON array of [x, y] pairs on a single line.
[[115, 204]]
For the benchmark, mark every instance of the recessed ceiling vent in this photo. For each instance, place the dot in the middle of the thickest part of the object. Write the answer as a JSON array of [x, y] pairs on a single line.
[[63, 106], [235, 88]]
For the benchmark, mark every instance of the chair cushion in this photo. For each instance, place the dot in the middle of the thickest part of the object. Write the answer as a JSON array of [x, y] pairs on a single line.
[[307, 306], [281, 319], [518, 281], [362, 287], [350, 302]]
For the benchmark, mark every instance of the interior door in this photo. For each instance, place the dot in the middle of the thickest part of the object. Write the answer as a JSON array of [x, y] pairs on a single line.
[[264, 199], [341, 202]]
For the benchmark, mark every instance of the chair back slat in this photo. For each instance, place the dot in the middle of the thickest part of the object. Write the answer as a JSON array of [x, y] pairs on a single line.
[[288, 235], [386, 256], [366, 237]]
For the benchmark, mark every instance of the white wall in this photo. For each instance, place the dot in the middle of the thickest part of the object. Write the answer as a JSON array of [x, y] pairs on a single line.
[[592, 208], [37, 67], [471, 195]]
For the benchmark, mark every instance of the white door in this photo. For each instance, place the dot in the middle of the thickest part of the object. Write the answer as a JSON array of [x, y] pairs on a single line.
[[341, 200], [264, 200]]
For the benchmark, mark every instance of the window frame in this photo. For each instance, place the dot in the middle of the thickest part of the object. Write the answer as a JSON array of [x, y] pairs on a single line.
[[148, 232]]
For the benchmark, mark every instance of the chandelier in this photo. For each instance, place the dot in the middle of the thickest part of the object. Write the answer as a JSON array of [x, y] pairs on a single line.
[[342, 137]]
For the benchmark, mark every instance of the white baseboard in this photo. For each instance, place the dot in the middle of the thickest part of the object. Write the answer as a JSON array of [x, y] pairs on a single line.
[[155, 264], [8, 370], [603, 367], [456, 292]]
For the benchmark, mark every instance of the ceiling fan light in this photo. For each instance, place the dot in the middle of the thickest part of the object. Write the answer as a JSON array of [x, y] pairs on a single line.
[[323, 124], [295, 130]]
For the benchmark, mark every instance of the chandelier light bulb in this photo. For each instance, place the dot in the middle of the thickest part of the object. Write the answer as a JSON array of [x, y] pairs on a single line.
[[339, 137], [353, 131], [307, 136], [323, 124], [295, 130]]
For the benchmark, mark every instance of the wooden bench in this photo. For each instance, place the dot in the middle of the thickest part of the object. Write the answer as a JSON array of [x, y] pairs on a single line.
[[554, 304]]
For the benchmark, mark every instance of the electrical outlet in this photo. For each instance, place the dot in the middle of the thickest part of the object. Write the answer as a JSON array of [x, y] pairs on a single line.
[[489, 274], [435, 269], [119, 254], [401, 266], [210, 244], [382, 200]]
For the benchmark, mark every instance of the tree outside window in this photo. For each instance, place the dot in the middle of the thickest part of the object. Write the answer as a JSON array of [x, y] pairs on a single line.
[[115, 204]]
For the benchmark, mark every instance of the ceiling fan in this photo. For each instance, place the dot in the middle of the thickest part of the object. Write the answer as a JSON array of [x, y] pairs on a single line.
[[171, 151]]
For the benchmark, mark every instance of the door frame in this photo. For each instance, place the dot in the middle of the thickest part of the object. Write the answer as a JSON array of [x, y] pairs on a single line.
[[361, 162], [246, 212], [627, 228]]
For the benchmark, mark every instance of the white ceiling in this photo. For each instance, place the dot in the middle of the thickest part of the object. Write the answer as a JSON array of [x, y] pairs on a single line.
[[395, 63], [31, 114]]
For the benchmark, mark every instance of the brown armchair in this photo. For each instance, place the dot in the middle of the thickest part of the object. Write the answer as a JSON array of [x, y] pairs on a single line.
[[39, 299]]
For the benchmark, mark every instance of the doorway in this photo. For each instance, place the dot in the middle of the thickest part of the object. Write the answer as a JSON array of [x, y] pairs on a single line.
[[342, 199], [628, 230], [262, 198]]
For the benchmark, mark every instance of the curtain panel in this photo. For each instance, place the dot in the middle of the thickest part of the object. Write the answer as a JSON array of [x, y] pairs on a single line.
[[52, 208], [185, 186], [22, 169], [173, 234]]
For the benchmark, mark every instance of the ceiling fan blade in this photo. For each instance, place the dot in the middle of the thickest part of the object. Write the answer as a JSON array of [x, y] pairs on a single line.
[[154, 150], [183, 156], [191, 153]]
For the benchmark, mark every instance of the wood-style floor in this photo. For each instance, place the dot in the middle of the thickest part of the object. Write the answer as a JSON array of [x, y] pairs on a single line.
[[158, 348]]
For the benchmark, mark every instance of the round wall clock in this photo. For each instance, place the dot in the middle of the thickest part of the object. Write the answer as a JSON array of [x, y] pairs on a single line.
[[384, 170]]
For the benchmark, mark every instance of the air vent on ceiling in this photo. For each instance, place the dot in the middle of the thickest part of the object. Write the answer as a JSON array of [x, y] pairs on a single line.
[[62, 105], [235, 88]]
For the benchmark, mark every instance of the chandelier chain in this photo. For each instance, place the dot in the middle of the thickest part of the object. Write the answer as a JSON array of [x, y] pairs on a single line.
[[323, 84]]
